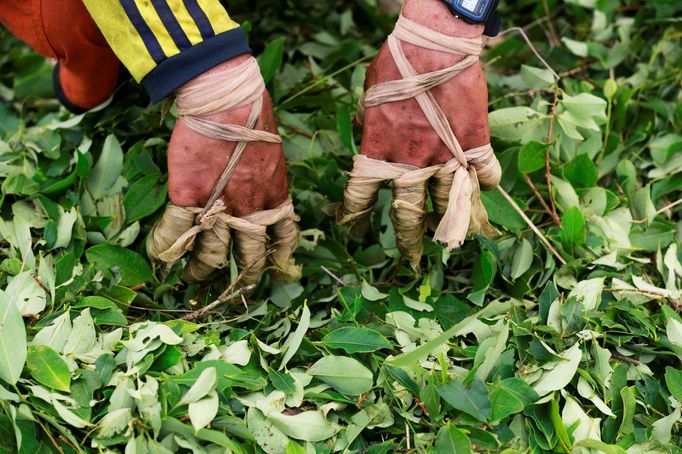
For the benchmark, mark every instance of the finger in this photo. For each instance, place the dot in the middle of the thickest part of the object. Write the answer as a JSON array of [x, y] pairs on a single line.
[[439, 189], [359, 197], [161, 244], [488, 168], [210, 253], [408, 214], [284, 240], [250, 249]]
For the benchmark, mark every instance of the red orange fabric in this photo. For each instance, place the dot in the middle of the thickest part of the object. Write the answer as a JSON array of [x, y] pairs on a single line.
[[63, 30]]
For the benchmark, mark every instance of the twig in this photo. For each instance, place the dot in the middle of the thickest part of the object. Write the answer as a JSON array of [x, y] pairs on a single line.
[[672, 302], [332, 275], [49, 435], [532, 48], [421, 405], [668, 207], [67, 442], [228, 294], [625, 359], [638, 290], [548, 210], [225, 297], [532, 226], [407, 435], [40, 283], [548, 168], [554, 41]]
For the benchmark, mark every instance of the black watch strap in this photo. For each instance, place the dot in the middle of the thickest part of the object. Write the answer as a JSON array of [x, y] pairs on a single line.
[[493, 26]]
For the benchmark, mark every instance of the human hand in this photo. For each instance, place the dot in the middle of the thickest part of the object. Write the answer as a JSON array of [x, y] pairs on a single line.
[[398, 130], [253, 207]]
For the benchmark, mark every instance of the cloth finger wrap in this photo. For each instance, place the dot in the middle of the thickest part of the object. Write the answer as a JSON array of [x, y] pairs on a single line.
[[206, 232], [454, 186]]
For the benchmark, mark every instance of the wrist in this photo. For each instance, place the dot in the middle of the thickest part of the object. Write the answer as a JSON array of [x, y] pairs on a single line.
[[435, 15]]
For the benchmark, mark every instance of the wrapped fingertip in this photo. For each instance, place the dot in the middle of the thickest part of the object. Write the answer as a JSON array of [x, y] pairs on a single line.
[[284, 241], [161, 243], [210, 253]]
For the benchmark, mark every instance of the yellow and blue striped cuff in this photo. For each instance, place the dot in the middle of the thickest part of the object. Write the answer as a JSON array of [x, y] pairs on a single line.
[[166, 43]]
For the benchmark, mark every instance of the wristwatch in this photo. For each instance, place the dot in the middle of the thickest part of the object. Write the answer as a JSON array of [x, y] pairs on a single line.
[[477, 12]]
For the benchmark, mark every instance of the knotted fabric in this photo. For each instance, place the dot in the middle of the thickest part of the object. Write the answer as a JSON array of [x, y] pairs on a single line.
[[206, 232], [454, 186]]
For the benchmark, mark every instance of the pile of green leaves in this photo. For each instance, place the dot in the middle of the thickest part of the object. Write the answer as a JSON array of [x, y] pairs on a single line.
[[502, 346]]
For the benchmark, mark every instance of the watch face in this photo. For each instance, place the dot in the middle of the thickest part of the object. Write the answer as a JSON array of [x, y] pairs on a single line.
[[476, 11], [470, 5]]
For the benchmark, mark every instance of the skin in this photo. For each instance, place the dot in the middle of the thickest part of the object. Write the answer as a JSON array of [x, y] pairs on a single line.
[[395, 132], [195, 163]]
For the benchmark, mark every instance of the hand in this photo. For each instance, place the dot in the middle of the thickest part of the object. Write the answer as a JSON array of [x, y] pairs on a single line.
[[259, 182], [399, 132]]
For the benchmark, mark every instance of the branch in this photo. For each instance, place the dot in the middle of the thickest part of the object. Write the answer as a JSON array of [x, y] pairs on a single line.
[[228, 294], [532, 226], [225, 297], [548, 176], [548, 210]]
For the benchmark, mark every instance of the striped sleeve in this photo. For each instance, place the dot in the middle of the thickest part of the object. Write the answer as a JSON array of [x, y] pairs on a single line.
[[166, 43]]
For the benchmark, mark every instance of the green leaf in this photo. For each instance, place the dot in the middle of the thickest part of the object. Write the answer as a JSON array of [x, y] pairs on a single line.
[[473, 401], [599, 446], [282, 381], [354, 339], [576, 47], [95, 302], [200, 388], [517, 123], [511, 396], [419, 353], [566, 197], [295, 339], [581, 172], [144, 197], [523, 259], [573, 230], [294, 448], [82, 336], [532, 157], [559, 427], [500, 212], [560, 373], [268, 437], [133, 269], [12, 341], [344, 126], [271, 58], [627, 425], [371, 293], [346, 375], [307, 426], [451, 440], [673, 378], [536, 77], [48, 368], [202, 412], [104, 174]]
